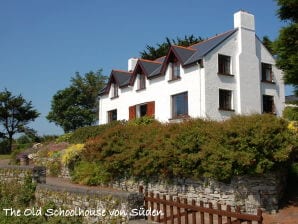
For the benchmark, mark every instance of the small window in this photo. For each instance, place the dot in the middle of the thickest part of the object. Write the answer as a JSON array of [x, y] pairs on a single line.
[[142, 110], [225, 99], [175, 70], [112, 116], [115, 88], [180, 105], [141, 81], [224, 64], [268, 104], [267, 74]]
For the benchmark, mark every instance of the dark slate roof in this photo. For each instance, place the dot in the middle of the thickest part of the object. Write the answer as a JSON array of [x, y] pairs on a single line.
[[151, 68], [183, 53], [208, 45], [161, 59], [186, 55], [122, 77]]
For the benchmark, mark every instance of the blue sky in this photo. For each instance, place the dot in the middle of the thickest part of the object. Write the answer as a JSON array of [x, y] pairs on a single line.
[[44, 42]]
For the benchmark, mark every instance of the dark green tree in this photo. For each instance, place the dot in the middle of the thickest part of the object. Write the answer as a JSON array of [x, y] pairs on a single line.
[[15, 114], [152, 53], [268, 44], [286, 46], [76, 106]]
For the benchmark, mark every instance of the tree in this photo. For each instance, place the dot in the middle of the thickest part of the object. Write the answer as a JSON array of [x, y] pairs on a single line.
[[268, 44], [76, 106], [152, 53], [286, 46], [15, 114]]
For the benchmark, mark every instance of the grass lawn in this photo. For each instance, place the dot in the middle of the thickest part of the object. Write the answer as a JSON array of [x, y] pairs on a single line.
[[4, 157]]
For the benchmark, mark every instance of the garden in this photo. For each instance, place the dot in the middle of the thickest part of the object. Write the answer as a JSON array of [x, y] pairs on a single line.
[[145, 149]]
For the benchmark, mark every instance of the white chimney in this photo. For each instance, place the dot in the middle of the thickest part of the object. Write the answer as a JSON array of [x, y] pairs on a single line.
[[132, 62], [243, 19]]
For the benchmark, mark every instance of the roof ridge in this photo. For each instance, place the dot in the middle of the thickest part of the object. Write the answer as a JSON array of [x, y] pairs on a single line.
[[186, 48], [210, 38], [119, 70], [146, 60], [160, 57]]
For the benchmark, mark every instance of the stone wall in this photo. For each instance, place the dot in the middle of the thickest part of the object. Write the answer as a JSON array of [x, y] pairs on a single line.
[[106, 205], [250, 193], [19, 173]]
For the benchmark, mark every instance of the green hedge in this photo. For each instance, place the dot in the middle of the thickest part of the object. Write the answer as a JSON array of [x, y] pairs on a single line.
[[196, 148], [81, 135]]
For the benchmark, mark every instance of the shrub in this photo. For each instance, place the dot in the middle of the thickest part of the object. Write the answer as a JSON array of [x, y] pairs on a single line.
[[81, 135], [241, 145], [71, 155], [21, 196], [90, 174]]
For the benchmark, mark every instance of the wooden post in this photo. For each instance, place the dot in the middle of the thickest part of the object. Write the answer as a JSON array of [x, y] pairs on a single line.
[[210, 214], [229, 210], [146, 204], [178, 211], [185, 210], [151, 204], [219, 216], [193, 214], [202, 213], [164, 197], [171, 210], [158, 207], [259, 214]]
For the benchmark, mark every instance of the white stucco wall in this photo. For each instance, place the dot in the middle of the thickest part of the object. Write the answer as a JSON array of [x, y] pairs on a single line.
[[159, 90], [277, 88], [203, 84], [215, 81]]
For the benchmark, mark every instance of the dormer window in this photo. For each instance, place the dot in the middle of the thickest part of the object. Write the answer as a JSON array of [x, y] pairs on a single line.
[[115, 88], [224, 64], [267, 75], [141, 81], [175, 70]]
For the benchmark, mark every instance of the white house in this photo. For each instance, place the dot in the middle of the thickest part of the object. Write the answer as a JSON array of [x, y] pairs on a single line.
[[228, 74]]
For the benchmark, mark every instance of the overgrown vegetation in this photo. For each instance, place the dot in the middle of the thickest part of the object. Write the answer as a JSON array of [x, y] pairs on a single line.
[[21, 196], [241, 145], [81, 135]]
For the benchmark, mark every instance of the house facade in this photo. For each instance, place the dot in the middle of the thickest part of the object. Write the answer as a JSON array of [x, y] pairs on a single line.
[[231, 73]]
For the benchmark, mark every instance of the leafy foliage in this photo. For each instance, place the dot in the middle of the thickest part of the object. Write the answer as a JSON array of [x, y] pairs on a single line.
[[152, 53], [291, 113], [89, 174], [81, 135], [76, 106], [268, 44], [286, 46], [242, 145], [15, 114], [21, 196]]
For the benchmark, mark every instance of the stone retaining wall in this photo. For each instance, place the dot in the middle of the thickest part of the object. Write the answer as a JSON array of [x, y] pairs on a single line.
[[100, 202], [19, 173], [250, 193]]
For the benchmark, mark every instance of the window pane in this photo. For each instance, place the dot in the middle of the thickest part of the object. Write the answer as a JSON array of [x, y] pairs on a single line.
[[142, 81], [112, 115], [268, 104], [224, 64], [175, 70], [143, 110], [225, 99], [180, 104], [266, 72]]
